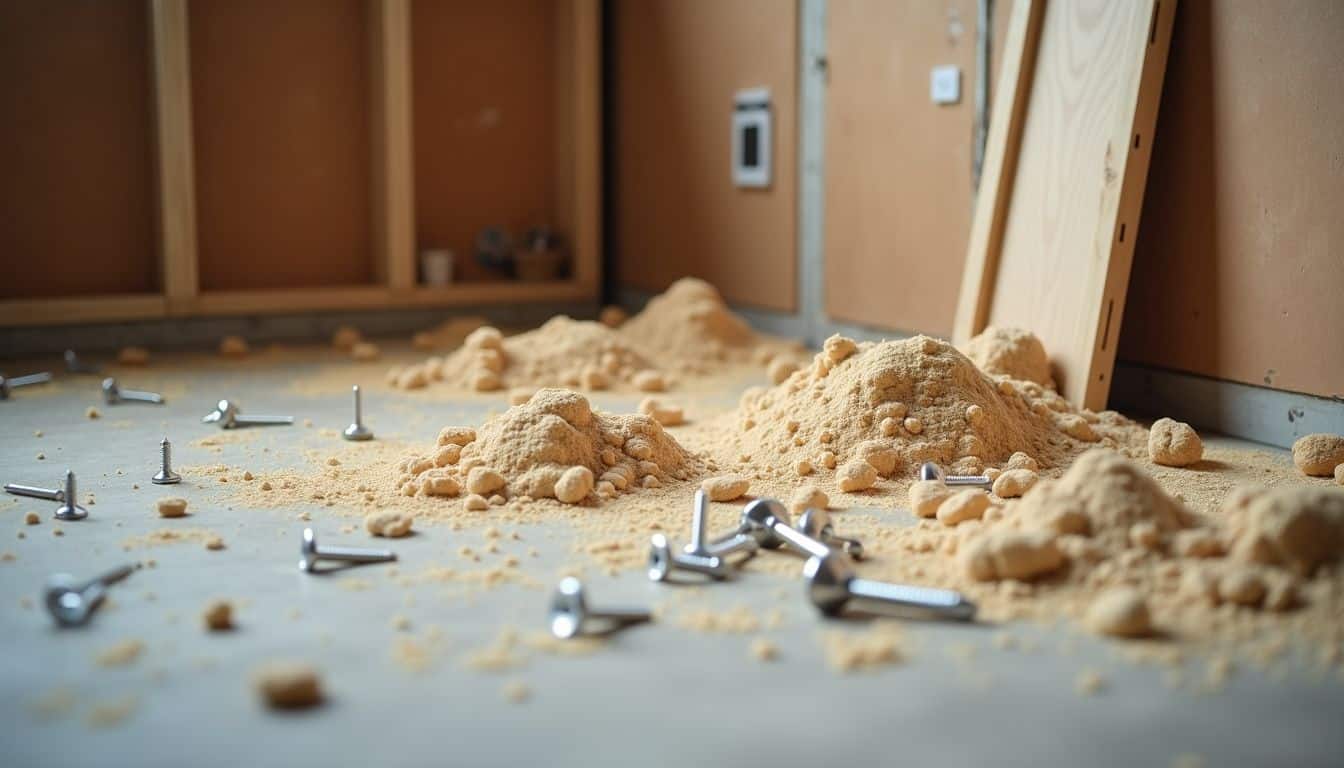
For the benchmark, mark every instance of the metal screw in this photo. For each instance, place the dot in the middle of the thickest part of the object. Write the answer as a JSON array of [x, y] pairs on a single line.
[[357, 430], [71, 603], [931, 471], [731, 544], [663, 562], [227, 416], [311, 554], [113, 394], [70, 509], [769, 521], [166, 475], [32, 491], [833, 587], [817, 524], [570, 616], [6, 385], [74, 365]]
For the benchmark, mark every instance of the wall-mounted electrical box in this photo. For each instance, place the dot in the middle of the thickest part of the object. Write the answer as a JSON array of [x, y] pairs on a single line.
[[945, 85], [751, 138]]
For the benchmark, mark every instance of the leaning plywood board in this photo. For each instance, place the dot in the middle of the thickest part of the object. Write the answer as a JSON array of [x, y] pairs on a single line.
[[1066, 163]]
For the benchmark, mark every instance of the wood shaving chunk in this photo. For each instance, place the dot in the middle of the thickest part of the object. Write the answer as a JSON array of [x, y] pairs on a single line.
[[1174, 443], [881, 455], [926, 496], [218, 615], [803, 468], [574, 485], [1120, 612], [92, 413], [763, 649], [1011, 555], [440, 485], [484, 480], [32, 518], [726, 487], [913, 425], [666, 413], [1020, 460], [389, 523], [808, 497], [649, 381], [475, 503], [288, 685], [172, 507], [1012, 483]]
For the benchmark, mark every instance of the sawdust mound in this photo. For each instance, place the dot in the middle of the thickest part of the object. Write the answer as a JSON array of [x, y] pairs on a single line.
[[553, 446], [1103, 496], [562, 352], [690, 328], [1011, 352], [1298, 527], [921, 400]]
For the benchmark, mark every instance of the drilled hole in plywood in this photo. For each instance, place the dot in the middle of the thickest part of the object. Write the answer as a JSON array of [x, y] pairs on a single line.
[[1136, 141], [1122, 232]]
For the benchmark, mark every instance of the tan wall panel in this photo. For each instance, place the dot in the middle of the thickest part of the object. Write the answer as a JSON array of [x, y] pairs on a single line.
[[898, 167], [281, 110], [484, 106], [77, 190], [678, 64], [1239, 266]]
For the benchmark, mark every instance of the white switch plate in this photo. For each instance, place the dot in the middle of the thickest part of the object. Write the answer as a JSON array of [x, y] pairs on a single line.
[[945, 85]]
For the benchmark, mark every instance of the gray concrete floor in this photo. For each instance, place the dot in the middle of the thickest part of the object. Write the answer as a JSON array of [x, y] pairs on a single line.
[[656, 695]]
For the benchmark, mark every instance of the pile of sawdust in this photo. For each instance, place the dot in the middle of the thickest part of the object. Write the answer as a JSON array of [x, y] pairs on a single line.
[[896, 404], [1011, 352], [552, 446], [563, 352]]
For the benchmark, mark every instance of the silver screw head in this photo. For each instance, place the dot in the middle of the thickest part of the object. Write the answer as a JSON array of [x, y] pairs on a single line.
[[111, 392], [308, 556], [70, 509], [759, 518], [166, 475], [71, 603], [828, 581], [357, 432], [4, 388], [225, 415], [817, 524], [663, 561], [930, 471], [569, 607]]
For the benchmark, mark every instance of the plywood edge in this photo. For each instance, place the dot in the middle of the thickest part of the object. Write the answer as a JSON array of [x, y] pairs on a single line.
[[176, 171], [1000, 166], [88, 309], [1125, 225], [586, 70], [393, 184]]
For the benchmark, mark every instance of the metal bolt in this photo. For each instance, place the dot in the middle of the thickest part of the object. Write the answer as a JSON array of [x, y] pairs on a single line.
[[32, 491], [663, 562], [570, 615], [7, 385], [357, 430], [731, 544], [817, 524], [768, 519], [70, 509], [833, 587], [227, 416], [113, 394], [71, 603], [931, 471], [311, 554], [74, 365], [166, 475]]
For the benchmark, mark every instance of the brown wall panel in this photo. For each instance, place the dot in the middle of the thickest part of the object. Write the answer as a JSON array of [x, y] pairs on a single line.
[[678, 64], [281, 110], [484, 112], [1239, 265], [77, 190], [898, 167]]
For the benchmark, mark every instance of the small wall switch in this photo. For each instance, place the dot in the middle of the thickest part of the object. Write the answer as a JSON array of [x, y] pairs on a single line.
[[945, 85], [752, 140]]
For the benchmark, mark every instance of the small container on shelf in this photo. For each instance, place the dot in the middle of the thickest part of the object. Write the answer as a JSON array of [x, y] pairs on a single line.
[[436, 266]]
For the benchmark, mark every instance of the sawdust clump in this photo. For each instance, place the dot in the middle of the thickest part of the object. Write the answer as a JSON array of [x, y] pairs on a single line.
[[553, 446], [1297, 527], [1011, 352], [1318, 455], [288, 685], [897, 404], [1174, 443]]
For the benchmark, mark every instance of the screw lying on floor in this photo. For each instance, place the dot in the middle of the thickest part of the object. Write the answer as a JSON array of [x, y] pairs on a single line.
[[166, 475], [769, 521], [311, 554], [357, 430], [71, 603], [70, 509], [227, 416], [930, 471], [8, 385], [833, 588], [113, 394], [32, 491], [570, 615], [817, 524], [731, 544], [663, 562], [74, 365]]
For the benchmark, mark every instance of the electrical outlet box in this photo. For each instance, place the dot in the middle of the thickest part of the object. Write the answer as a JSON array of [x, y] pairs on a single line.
[[945, 85], [752, 138]]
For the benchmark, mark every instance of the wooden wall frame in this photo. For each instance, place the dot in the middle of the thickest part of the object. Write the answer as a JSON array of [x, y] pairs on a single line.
[[578, 186], [1066, 163]]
